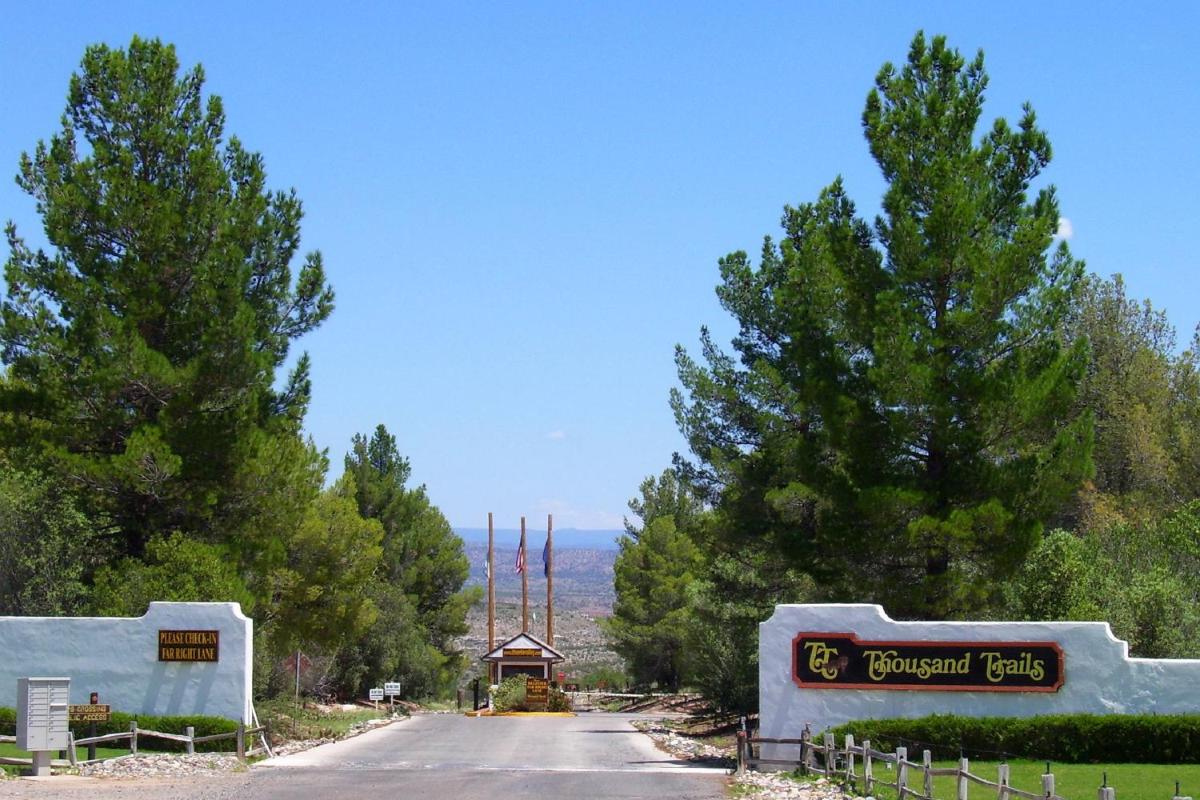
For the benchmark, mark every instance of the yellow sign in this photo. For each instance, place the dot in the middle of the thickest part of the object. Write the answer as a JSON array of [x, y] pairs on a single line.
[[522, 652], [536, 691], [188, 645], [89, 713]]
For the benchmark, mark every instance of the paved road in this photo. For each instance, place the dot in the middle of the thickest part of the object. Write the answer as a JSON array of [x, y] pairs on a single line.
[[589, 757]]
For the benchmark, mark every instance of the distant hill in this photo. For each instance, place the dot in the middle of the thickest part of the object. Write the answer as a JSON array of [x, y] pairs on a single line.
[[566, 538], [583, 578]]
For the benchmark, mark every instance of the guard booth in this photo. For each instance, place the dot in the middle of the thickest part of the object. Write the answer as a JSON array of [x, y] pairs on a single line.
[[523, 655]]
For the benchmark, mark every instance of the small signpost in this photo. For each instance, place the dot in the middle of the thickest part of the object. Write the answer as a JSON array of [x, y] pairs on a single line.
[[392, 690], [376, 695], [93, 712]]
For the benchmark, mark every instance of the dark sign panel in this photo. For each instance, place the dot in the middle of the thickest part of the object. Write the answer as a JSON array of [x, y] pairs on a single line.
[[188, 645], [841, 661], [93, 712], [537, 691]]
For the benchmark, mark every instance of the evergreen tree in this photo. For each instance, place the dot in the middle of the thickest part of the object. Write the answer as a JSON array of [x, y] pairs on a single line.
[[419, 581], [897, 420], [142, 348]]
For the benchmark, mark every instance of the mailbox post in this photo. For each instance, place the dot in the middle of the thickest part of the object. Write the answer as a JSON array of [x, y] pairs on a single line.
[[42, 705]]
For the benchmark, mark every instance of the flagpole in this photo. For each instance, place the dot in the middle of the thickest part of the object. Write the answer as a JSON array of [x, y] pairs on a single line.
[[491, 567], [550, 579], [524, 582]]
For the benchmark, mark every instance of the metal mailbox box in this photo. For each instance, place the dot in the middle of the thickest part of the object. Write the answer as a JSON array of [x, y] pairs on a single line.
[[42, 705]]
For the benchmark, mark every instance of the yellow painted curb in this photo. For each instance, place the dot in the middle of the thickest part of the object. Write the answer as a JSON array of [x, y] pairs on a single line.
[[485, 713]]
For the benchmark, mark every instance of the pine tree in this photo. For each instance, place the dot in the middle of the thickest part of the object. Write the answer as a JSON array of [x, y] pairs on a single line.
[[142, 348], [897, 420]]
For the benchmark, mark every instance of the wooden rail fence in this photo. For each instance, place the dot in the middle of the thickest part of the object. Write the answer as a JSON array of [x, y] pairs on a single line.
[[912, 779], [188, 738]]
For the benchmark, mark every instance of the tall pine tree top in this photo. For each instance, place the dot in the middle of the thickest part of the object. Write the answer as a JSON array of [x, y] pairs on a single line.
[[898, 420], [142, 348]]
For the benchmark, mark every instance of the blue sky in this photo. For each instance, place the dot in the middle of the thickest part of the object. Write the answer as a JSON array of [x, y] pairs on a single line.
[[521, 206]]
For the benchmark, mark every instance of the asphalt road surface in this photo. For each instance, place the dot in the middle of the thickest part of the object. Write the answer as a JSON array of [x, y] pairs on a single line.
[[588, 757]]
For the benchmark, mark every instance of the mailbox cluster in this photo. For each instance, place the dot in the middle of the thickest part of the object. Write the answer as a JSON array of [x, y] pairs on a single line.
[[42, 708]]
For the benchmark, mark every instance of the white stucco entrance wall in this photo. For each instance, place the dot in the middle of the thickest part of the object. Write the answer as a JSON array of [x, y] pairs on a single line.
[[1099, 675], [118, 657]]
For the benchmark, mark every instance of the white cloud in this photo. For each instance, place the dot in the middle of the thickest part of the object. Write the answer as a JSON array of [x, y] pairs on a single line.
[[1065, 229], [556, 435]]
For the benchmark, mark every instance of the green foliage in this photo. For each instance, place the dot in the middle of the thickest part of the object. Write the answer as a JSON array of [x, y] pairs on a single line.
[[1139, 578], [510, 694], [898, 419], [649, 621], [50, 547], [557, 700], [611, 678], [1145, 400], [316, 594], [1071, 738], [173, 568], [142, 348], [737, 590], [119, 723], [418, 585]]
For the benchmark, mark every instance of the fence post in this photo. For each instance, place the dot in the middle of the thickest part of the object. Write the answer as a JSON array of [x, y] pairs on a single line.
[[241, 741], [741, 752], [806, 751], [71, 754], [964, 767], [927, 765], [830, 758], [1002, 779], [133, 738], [850, 758], [190, 732], [868, 776], [901, 772]]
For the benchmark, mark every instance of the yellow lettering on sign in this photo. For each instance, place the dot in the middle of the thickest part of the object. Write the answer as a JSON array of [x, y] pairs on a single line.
[[819, 657]]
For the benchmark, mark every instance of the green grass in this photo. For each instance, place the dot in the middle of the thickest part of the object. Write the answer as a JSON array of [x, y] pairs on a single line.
[[1073, 781], [289, 722], [10, 751]]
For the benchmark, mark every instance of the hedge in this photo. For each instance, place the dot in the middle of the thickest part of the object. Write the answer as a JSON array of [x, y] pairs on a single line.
[[1067, 738], [119, 723]]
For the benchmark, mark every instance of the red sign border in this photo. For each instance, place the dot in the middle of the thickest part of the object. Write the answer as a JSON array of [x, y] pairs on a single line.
[[1062, 667]]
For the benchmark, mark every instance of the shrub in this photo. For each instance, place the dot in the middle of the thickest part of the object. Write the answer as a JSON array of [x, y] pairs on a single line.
[[510, 694], [1068, 738], [558, 701], [119, 723]]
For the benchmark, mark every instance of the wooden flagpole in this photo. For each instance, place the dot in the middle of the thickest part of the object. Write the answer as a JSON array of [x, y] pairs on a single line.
[[524, 582], [491, 567], [550, 579]]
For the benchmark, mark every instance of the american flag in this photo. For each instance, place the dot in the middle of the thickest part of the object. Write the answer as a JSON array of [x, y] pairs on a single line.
[[520, 565]]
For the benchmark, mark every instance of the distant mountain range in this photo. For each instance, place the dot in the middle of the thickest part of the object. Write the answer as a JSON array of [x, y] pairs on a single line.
[[535, 538]]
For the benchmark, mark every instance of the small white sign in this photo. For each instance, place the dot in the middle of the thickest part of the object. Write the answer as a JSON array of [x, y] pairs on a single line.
[[376, 694], [391, 689]]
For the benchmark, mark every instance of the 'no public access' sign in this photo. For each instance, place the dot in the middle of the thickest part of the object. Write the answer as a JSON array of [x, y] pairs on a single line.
[[94, 712]]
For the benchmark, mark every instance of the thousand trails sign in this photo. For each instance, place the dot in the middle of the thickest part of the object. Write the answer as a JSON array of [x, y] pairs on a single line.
[[842, 661]]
